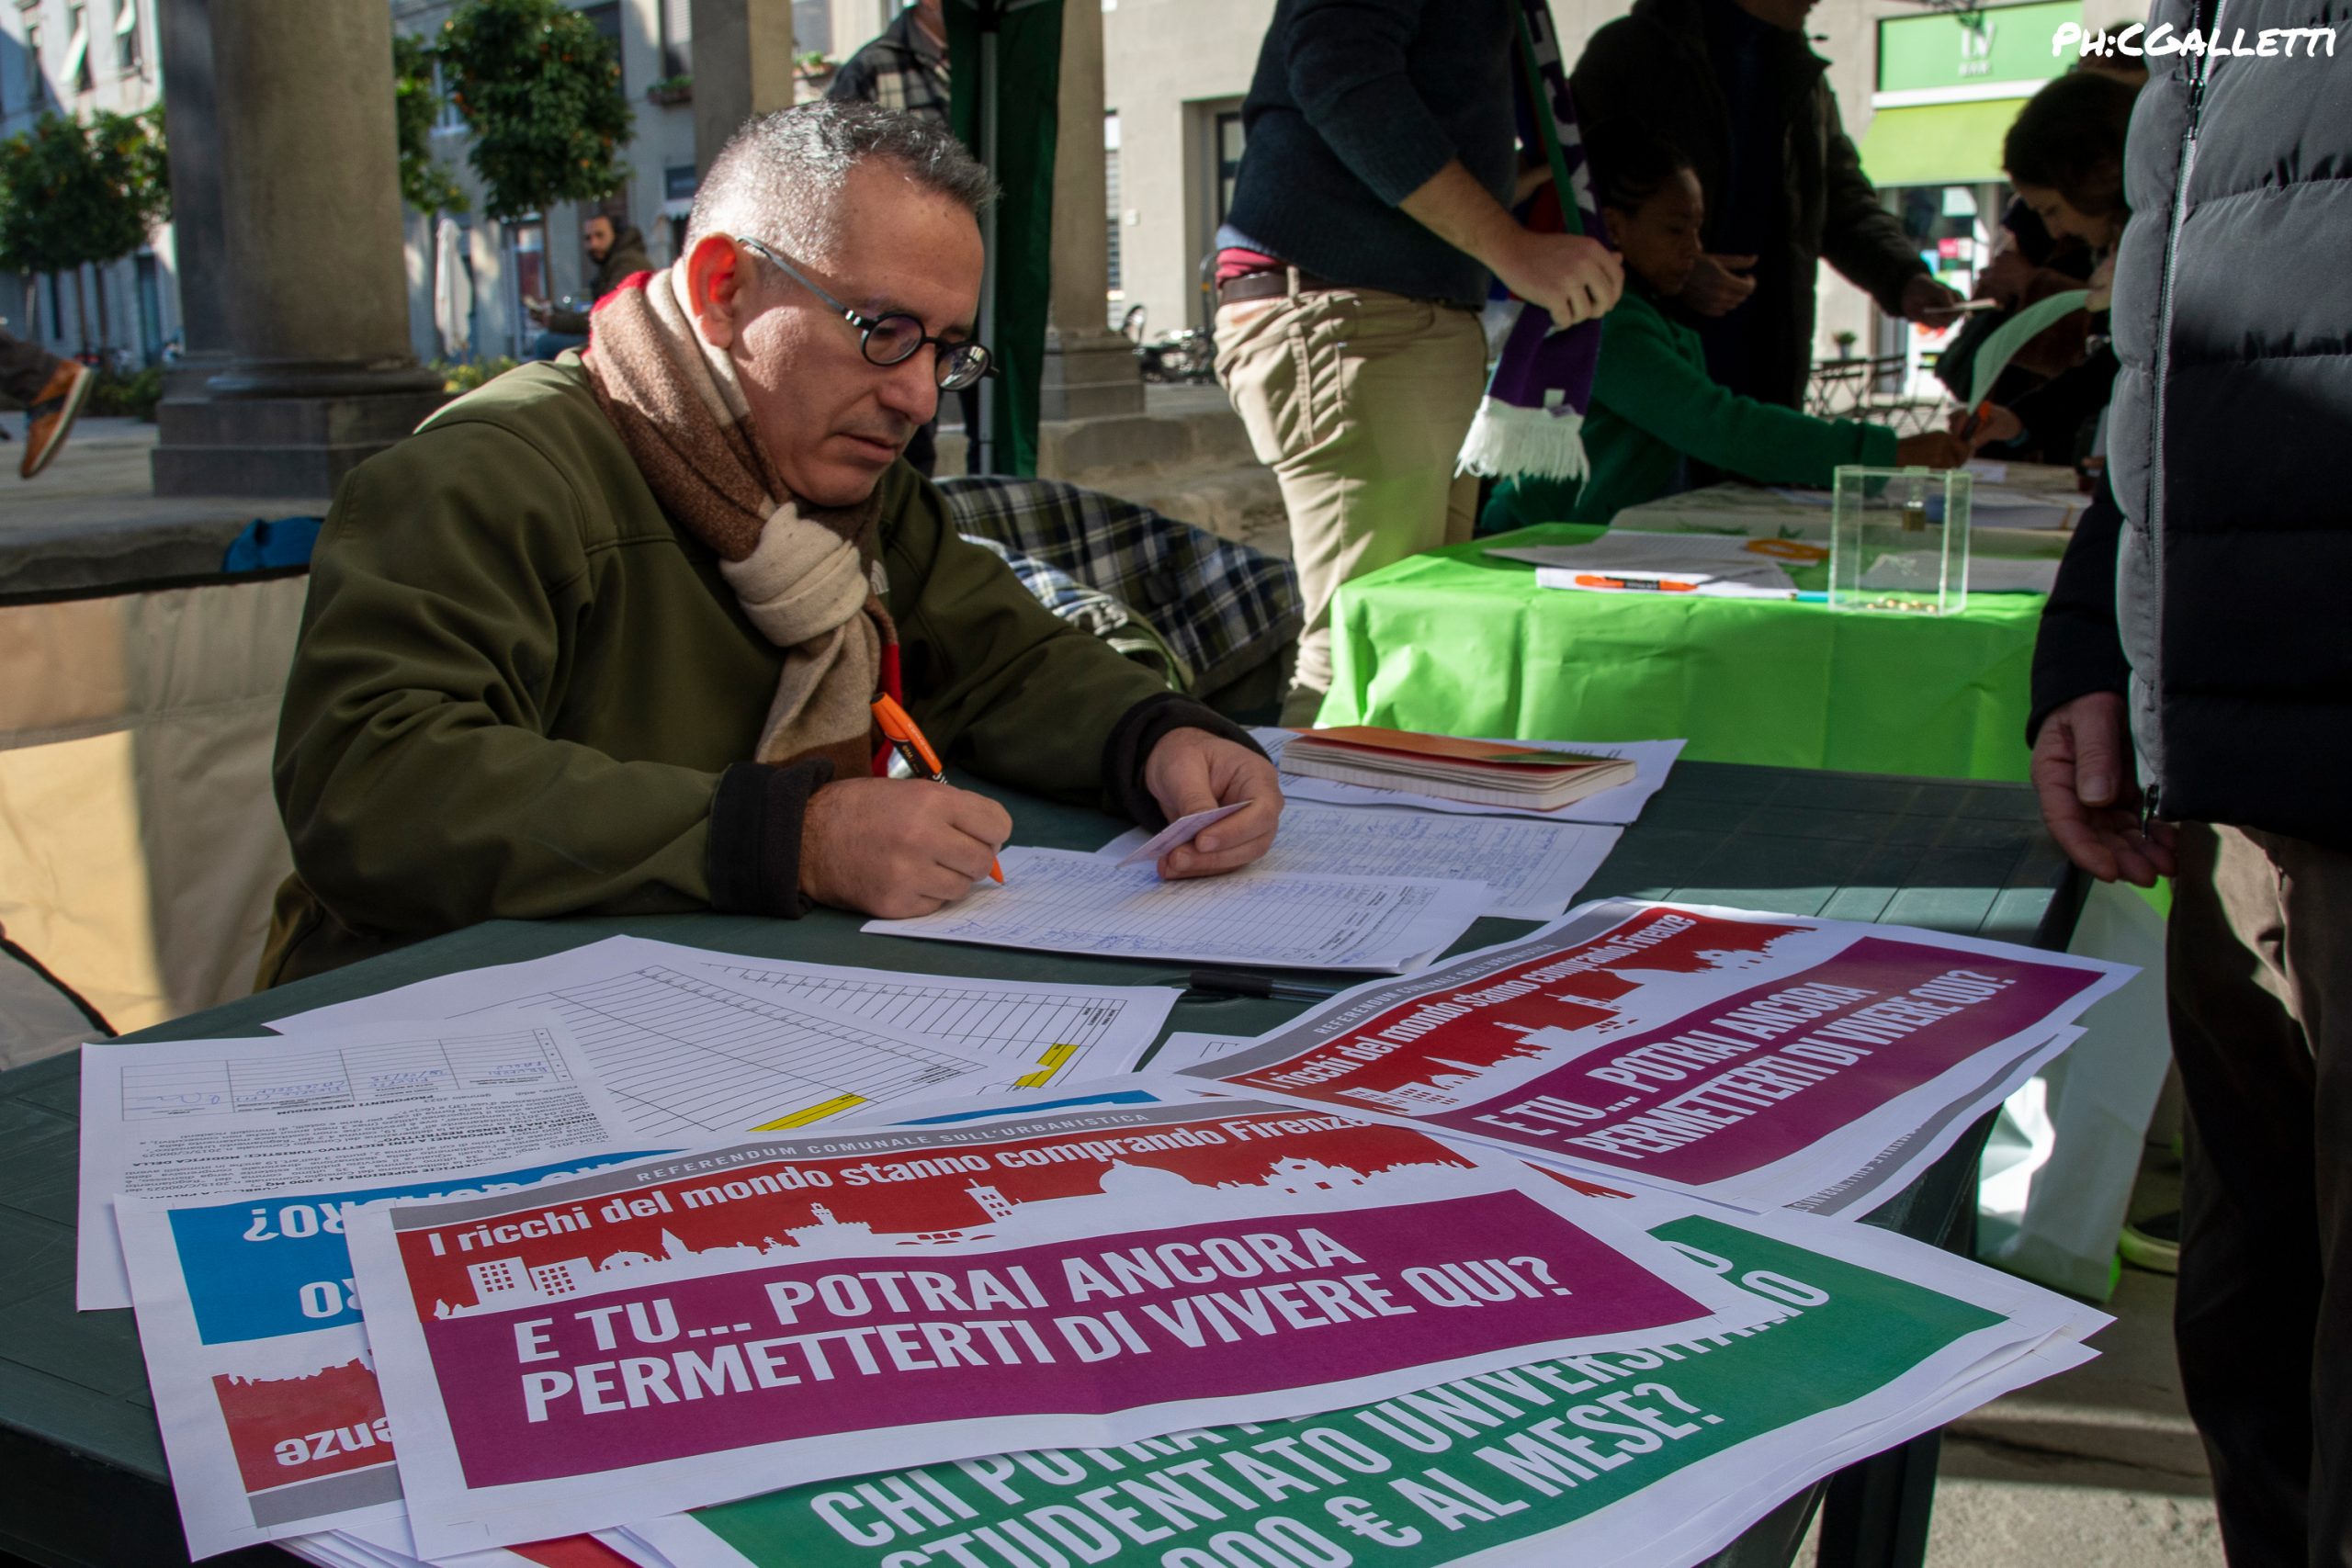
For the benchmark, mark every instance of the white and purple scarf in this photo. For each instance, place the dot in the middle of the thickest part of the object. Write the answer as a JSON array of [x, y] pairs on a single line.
[[1530, 422]]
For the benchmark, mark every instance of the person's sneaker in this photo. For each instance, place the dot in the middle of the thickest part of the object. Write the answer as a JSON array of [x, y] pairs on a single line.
[[52, 414], [2152, 1244]]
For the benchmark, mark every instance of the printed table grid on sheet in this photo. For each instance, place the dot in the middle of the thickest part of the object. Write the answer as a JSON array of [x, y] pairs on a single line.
[[982, 1020], [1233, 915], [682, 1054], [340, 1079]]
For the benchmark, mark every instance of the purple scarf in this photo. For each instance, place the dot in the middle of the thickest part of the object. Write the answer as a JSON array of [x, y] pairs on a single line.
[[1530, 422]]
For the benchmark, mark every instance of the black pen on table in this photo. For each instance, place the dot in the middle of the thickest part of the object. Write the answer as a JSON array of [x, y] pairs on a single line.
[[1236, 983]]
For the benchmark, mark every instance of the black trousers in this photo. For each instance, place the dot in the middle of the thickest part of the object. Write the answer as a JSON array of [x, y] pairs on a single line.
[[2260, 957]]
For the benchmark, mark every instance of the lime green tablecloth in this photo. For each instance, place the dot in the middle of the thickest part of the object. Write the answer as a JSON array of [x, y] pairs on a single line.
[[1458, 642]]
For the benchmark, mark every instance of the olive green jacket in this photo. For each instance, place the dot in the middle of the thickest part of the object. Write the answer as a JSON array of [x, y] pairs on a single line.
[[518, 684]]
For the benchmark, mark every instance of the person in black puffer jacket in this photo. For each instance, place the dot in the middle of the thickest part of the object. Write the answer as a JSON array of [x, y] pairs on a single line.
[[2209, 596]]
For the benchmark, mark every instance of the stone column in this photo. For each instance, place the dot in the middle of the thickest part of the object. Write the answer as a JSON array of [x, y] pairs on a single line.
[[320, 376], [743, 66], [198, 259], [1090, 371]]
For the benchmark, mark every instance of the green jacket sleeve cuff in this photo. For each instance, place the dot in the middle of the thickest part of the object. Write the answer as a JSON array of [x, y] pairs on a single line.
[[1140, 729], [752, 857]]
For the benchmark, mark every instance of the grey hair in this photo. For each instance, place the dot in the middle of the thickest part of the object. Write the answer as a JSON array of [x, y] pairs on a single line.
[[779, 178]]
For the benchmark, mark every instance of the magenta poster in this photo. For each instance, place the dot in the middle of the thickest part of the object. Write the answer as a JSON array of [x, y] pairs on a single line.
[[1759, 1060], [712, 1325]]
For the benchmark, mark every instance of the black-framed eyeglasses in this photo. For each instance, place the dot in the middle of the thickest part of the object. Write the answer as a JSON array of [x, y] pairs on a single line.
[[893, 339]]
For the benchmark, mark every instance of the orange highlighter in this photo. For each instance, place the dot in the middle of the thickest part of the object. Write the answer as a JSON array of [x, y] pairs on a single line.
[[901, 730]]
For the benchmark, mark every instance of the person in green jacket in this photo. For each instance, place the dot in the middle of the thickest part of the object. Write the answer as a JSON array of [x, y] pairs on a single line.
[[606, 635], [1655, 410]]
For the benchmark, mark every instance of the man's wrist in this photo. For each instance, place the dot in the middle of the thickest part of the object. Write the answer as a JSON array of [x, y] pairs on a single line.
[[1129, 746], [752, 856]]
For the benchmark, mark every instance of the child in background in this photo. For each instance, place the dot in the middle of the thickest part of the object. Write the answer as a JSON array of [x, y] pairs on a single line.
[[1654, 409]]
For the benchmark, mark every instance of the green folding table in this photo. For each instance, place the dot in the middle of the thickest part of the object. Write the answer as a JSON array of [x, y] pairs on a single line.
[[1464, 643], [83, 1463]]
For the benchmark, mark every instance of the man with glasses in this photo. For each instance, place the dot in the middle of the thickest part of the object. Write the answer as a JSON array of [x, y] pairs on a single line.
[[605, 634]]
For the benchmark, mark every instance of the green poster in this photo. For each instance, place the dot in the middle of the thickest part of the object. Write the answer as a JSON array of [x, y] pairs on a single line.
[[1423, 1479], [1004, 67]]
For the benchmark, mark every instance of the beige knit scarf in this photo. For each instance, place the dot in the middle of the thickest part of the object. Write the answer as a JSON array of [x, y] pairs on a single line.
[[804, 576]]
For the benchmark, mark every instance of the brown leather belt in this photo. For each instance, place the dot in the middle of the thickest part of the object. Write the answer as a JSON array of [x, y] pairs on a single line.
[[1269, 284]]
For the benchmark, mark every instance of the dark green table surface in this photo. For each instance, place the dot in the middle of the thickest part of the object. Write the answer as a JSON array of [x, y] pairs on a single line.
[[81, 1461]]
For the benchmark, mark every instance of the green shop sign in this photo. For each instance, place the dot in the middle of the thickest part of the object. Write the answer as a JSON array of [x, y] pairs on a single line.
[[1948, 50]]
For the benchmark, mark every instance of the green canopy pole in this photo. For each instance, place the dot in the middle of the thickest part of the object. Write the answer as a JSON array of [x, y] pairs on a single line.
[[1003, 53]]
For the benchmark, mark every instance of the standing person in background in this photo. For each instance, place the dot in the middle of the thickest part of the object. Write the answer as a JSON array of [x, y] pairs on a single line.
[[1655, 410], [52, 390], [1734, 84], [905, 68], [2201, 605], [1368, 217], [618, 253]]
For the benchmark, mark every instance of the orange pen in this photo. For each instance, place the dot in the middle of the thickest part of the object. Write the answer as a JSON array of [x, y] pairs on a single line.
[[1639, 585], [900, 729]]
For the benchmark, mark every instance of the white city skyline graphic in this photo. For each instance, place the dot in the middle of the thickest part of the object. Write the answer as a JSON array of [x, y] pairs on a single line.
[[502, 1284]]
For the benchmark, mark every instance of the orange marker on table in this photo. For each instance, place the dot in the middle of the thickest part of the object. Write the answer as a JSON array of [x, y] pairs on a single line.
[[900, 729], [1637, 584]]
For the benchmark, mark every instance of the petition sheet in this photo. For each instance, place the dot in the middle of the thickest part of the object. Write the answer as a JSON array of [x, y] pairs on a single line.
[[1652, 759], [1533, 870], [1653, 1455], [687, 1056], [684, 1331], [1049, 1034], [1760, 1060], [1061, 901], [258, 1361], [192, 1118]]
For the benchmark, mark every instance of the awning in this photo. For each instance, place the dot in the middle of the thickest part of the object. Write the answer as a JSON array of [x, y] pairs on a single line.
[[1939, 144]]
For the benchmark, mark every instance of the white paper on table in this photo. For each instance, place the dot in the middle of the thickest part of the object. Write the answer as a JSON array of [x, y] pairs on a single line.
[[191, 1118], [1533, 870], [257, 1358], [1761, 1060], [1176, 834], [688, 1056], [1987, 470], [381, 1546], [1061, 901], [1629, 552], [1652, 759], [1986, 574], [513, 1425], [1187, 1048], [1047, 1033], [1772, 582]]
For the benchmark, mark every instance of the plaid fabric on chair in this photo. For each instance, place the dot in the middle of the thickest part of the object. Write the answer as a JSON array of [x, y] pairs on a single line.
[[1223, 609]]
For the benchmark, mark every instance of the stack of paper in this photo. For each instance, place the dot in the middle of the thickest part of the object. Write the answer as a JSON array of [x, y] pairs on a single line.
[[1760, 1060], [1625, 560], [1450, 768], [1498, 1257], [1533, 871], [1652, 760], [1059, 901]]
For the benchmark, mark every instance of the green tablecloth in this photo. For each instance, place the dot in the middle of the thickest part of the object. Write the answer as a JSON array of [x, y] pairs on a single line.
[[1459, 642]]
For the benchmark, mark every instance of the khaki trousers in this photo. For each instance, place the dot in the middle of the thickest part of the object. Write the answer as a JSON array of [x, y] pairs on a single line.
[[2259, 959], [1358, 401]]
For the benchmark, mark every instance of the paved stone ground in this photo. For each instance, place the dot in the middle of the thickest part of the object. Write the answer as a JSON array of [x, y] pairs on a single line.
[[2098, 1468], [91, 517]]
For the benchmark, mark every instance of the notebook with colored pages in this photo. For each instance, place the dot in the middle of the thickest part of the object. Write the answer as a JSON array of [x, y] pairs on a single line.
[[1451, 768]]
